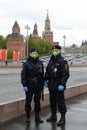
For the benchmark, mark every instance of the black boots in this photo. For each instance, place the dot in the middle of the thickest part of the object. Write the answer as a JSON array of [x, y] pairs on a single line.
[[62, 120], [37, 118], [27, 117], [52, 118]]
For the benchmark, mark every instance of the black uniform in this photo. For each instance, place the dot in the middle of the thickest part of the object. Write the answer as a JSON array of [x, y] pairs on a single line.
[[32, 77], [57, 73]]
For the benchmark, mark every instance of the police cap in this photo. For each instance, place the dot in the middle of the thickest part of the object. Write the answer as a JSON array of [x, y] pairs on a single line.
[[34, 50], [56, 47]]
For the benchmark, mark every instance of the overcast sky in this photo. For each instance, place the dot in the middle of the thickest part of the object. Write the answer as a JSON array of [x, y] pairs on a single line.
[[67, 17]]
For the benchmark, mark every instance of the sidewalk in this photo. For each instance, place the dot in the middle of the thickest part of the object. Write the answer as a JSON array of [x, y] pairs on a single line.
[[11, 65], [76, 118], [19, 64], [10, 71]]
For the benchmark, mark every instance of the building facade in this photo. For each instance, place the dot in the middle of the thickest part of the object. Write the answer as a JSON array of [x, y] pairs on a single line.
[[35, 36], [47, 34], [15, 40]]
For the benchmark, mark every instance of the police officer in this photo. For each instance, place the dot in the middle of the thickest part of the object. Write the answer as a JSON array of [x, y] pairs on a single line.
[[57, 73], [32, 81]]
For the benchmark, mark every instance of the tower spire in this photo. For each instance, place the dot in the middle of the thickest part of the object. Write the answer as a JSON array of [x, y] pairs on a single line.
[[47, 23], [35, 31], [47, 33], [47, 17]]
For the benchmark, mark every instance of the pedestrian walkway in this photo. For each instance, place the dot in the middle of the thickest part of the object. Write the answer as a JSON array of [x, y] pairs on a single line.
[[76, 118], [11, 64], [4, 71]]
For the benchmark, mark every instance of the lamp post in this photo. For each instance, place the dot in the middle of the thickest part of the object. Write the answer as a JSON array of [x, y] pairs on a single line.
[[27, 28], [64, 42]]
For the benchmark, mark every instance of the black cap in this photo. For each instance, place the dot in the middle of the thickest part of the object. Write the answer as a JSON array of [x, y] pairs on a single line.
[[33, 50], [56, 47]]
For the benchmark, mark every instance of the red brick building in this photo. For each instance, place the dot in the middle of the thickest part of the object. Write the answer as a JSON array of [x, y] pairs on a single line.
[[47, 34], [16, 42], [35, 36]]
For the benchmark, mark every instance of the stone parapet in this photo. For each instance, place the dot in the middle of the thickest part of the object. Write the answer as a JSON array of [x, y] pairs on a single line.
[[15, 108]]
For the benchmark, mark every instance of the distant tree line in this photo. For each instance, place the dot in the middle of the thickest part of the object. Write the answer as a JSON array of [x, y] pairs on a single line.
[[84, 43]]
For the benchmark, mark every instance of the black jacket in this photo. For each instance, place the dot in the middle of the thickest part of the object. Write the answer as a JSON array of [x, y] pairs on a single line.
[[32, 68], [57, 70]]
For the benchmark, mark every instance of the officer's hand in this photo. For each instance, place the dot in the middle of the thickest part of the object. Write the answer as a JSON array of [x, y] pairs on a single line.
[[60, 88], [25, 88]]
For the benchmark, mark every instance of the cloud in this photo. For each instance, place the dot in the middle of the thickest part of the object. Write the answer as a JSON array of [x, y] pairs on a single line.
[[67, 17]]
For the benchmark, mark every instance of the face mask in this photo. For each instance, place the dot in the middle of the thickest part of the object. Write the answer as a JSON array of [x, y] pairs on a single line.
[[34, 56], [55, 53]]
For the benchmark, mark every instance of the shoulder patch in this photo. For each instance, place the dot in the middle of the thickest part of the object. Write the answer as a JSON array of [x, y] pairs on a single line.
[[66, 66]]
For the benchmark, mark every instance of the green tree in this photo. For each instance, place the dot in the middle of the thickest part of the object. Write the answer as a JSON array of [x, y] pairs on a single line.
[[10, 54], [43, 47], [3, 42]]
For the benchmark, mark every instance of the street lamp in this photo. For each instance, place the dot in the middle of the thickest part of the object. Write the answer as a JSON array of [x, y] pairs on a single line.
[[27, 28], [64, 42]]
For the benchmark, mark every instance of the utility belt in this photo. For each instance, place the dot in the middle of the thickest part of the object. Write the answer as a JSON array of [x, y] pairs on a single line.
[[55, 80], [34, 79]]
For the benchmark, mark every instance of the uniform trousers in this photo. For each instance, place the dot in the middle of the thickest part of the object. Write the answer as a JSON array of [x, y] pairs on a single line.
[[34, 92], [57, 100]]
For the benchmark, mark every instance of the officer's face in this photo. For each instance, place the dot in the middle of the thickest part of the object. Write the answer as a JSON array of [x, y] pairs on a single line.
[[34, 54], [56, 50]]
